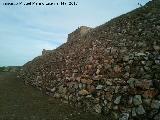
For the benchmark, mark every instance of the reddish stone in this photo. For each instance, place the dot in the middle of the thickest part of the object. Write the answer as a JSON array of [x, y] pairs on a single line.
[[150, 93], [83, 92], [86, 81], [144, 84], [91, 88], [117, 69], [89, 67], [109, 96]]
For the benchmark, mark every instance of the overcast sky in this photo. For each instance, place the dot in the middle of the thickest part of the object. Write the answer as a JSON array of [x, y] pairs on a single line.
[[26, 30]]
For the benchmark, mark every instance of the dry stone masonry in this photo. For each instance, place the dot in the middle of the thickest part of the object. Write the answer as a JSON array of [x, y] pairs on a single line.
[[113, 69]]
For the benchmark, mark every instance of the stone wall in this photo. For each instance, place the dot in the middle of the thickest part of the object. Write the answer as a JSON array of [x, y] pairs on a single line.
[[113, 69], [78, 33], [46, 51]]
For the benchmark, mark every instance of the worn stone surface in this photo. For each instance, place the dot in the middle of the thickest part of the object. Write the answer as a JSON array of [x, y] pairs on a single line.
[[125, 116], [99, 87], [98, 108], [155, 104], [137, 100], [134, 112], [118, 100], [112, 69], [140, 110]]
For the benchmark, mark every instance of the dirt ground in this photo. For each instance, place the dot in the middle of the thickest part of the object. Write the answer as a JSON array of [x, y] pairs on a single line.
[[21, 102]]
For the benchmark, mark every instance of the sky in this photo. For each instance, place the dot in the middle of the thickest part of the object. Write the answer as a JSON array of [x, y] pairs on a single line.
[[26, 30]]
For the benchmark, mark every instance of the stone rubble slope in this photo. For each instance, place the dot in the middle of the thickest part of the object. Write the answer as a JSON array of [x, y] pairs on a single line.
[[113, 69]]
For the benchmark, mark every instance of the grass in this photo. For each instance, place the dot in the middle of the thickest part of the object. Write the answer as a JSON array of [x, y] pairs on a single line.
[[21, 102]]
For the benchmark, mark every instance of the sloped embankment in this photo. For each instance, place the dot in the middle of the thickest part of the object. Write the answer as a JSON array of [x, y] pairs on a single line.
[[113, 69]]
